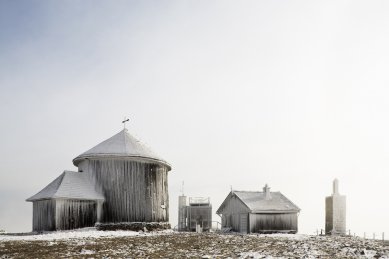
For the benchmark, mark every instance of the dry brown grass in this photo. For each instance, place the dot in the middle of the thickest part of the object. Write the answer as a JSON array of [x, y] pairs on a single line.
[[187, 245]]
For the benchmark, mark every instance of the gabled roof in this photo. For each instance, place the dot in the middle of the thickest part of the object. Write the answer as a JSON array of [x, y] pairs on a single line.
[[256, 202], [69, 185], [123, 144]]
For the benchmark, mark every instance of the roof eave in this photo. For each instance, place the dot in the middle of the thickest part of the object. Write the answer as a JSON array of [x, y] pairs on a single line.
[[64, 198], [274, 211], [218, 211], [78, 159], [80, 199], [229, 196]]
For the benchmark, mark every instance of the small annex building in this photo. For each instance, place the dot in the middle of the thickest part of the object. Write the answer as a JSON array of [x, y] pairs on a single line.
[[68, 202], [119, 180], [259, 212]]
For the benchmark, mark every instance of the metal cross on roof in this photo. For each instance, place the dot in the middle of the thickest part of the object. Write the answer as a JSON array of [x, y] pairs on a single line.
[[124, 121]]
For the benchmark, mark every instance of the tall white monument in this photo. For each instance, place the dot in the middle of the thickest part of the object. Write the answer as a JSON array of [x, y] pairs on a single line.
[[335, 212]]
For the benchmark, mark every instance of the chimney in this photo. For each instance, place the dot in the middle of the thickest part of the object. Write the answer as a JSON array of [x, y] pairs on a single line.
[[266, 191], [335, 187]]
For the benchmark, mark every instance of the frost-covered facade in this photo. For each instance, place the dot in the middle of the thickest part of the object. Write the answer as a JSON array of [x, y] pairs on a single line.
[[198, 213], [335, 212], [259, 212], [119, 180]]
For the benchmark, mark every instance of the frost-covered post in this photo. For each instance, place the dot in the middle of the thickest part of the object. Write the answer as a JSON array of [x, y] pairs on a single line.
[[99, 211]]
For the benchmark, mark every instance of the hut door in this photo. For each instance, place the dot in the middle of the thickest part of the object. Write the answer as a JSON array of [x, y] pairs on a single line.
[[243, 223]]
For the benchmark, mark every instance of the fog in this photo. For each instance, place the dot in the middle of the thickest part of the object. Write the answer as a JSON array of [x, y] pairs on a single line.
[[232, 94]]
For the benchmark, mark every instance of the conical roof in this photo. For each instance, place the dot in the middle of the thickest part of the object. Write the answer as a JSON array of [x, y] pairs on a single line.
[[123, 144]]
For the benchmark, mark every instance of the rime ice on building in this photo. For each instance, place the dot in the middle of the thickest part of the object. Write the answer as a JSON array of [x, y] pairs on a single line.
[[119, 180], [335, 211], [198, 214], [259, 212]]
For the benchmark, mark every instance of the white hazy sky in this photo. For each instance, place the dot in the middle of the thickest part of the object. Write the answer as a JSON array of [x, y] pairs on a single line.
[[241, 93]]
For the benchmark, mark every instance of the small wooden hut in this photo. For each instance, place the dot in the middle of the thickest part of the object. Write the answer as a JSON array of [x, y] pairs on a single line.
[[259, 212], [119, 180]]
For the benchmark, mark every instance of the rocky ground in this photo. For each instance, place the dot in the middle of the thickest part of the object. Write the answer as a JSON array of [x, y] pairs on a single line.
[[191, 245]]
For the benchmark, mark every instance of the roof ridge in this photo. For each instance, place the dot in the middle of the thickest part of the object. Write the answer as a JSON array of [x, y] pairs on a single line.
[[60, 182], [256, 202], [126, 141], [56, 183], [255, 191], [244, 191], [70, 171]]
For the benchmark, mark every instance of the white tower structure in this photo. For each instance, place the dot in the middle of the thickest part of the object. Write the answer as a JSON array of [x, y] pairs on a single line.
[[335, 212], [182, 210], [182, 213]]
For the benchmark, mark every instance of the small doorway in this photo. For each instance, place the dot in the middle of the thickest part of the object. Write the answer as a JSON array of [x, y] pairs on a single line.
[[243, 223]]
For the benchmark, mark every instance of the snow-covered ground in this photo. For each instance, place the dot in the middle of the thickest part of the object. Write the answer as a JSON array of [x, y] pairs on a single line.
[[90, 243], [76, 234], [288, 236]]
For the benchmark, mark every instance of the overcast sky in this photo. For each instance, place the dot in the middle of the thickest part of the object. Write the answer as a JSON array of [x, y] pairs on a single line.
[[231, 93]]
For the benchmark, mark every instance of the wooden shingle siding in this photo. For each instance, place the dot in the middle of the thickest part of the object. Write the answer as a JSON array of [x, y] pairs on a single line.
[[43, 215], [231, 213], [235, 221], [233, 205], [286, 222], [73, 214], [134, 191], [258, 212]]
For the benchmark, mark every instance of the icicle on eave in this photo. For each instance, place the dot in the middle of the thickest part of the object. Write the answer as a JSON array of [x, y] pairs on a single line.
[[133, 191]]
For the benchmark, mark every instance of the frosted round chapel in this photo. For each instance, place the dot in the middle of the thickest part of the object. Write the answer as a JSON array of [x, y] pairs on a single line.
[[119, 180]]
